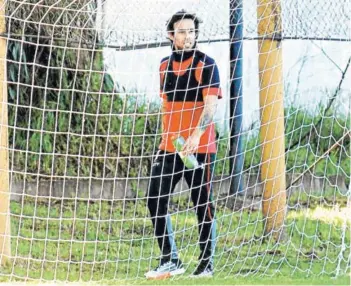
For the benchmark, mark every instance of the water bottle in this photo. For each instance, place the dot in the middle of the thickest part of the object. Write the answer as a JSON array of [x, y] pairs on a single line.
[[189, 161]]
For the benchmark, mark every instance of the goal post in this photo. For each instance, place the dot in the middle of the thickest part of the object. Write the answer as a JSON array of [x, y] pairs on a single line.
[[272, 133], [5, 230]]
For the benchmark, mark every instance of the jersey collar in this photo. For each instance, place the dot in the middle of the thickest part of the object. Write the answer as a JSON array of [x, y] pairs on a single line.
[[182, 55]]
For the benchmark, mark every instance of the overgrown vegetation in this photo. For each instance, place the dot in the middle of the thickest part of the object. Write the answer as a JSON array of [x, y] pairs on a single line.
[[65, 116], [298, 121]]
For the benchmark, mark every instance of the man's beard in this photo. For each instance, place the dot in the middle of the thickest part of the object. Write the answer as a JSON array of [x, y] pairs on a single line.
[[179, 50]]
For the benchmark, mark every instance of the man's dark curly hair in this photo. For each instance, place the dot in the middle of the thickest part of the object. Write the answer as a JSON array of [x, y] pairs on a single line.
[[180, 15]]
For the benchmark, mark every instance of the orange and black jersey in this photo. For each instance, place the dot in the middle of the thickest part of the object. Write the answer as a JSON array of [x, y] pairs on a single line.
[[184, 84]]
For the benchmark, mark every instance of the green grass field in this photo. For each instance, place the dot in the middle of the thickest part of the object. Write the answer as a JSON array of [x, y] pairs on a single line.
[[113, 243]]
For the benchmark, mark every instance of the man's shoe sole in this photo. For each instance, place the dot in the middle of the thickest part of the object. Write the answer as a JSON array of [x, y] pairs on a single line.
[[167, 275]]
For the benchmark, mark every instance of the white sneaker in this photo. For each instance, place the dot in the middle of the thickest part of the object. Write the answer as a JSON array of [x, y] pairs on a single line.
[[165, 270], [203, 271]]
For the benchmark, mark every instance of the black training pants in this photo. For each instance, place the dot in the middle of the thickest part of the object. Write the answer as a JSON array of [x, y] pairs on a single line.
[[167, 170]]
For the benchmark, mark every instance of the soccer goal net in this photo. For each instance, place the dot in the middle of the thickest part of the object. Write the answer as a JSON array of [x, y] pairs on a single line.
[[81, 121]]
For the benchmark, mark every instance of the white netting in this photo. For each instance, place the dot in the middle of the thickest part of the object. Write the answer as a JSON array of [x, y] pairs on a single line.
[[308, 19], [133, 22], [84, 124]]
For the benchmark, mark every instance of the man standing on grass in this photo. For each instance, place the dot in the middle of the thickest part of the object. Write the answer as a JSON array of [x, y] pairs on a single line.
[[190, 88]]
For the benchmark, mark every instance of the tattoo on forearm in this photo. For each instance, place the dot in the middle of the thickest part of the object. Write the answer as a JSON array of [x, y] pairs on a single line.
[[205, 120]]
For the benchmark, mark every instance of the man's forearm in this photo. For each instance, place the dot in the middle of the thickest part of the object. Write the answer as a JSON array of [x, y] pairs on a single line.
[[206, 117], [205, 120]]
